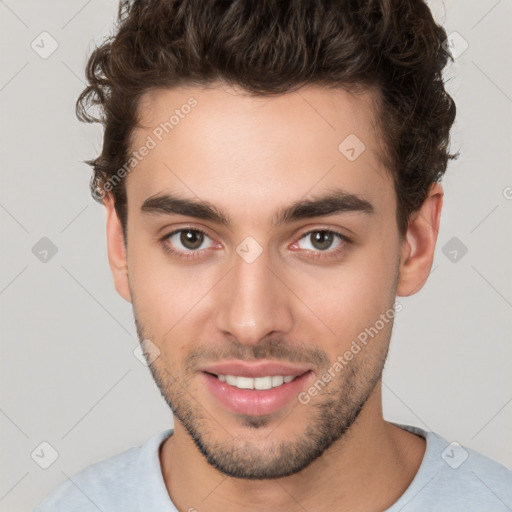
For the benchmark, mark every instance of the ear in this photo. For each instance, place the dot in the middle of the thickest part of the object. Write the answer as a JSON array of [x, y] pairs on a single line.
[[417, 251], [116, 250]]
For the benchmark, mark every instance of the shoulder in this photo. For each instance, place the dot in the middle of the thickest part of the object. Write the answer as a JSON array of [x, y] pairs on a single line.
[[453, 477], [473, 480], [110, 484], [94, 486]]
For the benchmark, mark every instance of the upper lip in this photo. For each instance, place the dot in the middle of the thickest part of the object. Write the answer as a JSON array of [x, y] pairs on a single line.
[[259, 369]]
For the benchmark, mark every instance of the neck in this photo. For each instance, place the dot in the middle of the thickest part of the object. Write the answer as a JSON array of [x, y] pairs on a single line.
[[369, 468]]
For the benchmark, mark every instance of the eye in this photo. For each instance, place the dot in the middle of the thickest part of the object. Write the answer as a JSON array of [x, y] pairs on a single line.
[[188, 242], [322, 240], [183, 241]]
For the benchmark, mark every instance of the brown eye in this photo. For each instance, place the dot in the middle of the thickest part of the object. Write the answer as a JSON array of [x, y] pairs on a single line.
[[191, 239], [186, 241], [322, 240], [323, 243]]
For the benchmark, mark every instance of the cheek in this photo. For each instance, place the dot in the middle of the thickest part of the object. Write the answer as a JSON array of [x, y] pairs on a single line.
[[167, 294], [337, 301], [352, 297]]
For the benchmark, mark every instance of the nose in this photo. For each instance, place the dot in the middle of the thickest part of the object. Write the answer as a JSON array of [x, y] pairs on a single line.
[[253, 301]]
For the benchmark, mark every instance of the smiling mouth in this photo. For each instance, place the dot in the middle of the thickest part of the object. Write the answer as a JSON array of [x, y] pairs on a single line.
[[257, 383], [256, 396]]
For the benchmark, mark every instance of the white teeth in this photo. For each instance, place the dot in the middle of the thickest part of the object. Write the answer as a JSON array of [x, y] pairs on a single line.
[[244, 382], [231, 380], [277, 380], [260, 383]]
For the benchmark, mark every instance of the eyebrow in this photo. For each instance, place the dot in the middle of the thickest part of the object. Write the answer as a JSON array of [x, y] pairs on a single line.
[[331, 203]]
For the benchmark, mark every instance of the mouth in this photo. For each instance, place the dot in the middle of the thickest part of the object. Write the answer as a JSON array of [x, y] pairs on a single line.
[[255, 390], [258, 383]]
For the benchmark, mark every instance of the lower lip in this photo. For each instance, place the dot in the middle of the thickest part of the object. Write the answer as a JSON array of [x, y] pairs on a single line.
[[254, 402]]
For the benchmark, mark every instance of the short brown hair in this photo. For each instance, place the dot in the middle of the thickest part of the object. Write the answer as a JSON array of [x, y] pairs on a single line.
[[271, 47]]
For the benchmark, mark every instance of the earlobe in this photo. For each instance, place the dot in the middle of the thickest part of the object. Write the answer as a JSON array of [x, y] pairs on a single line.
[[417, 251], [116, 250]]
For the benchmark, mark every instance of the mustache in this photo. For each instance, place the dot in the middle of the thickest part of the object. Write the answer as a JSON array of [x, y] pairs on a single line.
[[272, 350]]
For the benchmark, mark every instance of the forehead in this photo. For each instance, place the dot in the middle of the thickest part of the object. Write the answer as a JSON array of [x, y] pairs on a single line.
[[225, 146]]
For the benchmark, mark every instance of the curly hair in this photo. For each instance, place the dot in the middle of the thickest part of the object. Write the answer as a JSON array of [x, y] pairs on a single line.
[[270, 47]]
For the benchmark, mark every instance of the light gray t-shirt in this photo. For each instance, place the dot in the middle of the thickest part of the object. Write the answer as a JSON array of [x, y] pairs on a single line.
[[451, 478]]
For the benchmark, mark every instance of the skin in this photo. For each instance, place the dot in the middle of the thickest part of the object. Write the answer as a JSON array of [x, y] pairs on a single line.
[[250, 157]]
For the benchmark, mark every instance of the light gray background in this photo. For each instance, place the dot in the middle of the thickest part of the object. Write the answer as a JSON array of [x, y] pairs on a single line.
[[68, 373]]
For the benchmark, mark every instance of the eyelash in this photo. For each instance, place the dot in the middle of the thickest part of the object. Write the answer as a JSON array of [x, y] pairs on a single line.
[[316, 254]]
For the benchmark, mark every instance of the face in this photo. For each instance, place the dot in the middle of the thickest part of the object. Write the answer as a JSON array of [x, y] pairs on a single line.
[[236, 287]]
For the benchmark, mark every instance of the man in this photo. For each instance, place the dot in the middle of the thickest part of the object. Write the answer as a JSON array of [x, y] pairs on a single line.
[[270, 172]]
